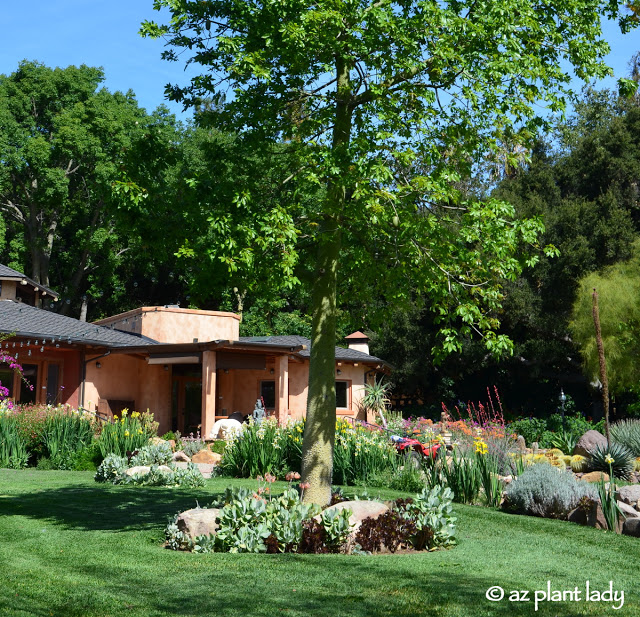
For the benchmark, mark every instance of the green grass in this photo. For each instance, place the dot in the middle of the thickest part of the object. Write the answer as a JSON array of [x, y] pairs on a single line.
[[70, 547]]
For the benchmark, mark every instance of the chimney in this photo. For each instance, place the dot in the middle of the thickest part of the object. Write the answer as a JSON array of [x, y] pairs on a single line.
[[358, 342]]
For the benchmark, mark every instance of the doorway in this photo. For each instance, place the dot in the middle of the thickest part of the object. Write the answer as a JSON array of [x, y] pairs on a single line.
[[186, 404]]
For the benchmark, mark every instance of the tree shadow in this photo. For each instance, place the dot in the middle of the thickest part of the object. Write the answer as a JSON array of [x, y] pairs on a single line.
[[103, 506]]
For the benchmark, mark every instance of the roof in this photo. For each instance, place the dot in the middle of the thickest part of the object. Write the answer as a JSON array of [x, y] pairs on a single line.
[[28, 321], [341, 352], [9, 274], [357, 336]]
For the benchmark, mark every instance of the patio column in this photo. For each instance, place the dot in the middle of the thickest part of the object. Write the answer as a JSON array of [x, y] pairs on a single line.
[[282, 387], [208, 392]]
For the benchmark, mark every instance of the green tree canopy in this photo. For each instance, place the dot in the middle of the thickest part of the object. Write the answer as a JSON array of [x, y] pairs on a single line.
[[387, 105], [618, 288]]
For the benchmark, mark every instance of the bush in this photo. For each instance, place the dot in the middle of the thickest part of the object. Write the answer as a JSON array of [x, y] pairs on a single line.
[[66, 433], [360, 454], [126, 434], [530, 428], [191, 445], [256, 522], [112, 469], [160, 454], [627, 434], [546, 491], [13, 449]]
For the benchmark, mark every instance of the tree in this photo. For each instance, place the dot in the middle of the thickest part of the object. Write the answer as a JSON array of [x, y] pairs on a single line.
[[618, 289], [387, 105], [65, 146]]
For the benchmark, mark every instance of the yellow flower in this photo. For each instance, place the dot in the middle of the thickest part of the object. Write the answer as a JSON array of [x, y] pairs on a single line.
[[609, 459], [139, 431], [135, 414], [126, 433], [125, 411], [115, 417]]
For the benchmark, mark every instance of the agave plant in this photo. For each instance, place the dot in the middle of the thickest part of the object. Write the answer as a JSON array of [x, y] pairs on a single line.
[[565, 441], [627, 433], [376, 398], [621, 465]]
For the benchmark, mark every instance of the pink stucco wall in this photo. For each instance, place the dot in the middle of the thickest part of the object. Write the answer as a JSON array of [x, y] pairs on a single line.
[[124, 377], [176, 325]]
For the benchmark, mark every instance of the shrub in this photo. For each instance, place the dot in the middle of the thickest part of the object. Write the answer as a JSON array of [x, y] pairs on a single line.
[[160, 454], [192, 444], [360, 454], [627, 434], [530, 428], [112, 469], [614, 457], [432, 513], [13, 448], [255, 451], [543, 490], [190, 477], [126, 434], [66, 433]]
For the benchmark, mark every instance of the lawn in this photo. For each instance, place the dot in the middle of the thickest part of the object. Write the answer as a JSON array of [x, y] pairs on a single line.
[[74, 548]]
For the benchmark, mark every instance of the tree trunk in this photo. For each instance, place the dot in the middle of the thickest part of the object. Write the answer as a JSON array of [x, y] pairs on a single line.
[[603, 366], [320, 427]]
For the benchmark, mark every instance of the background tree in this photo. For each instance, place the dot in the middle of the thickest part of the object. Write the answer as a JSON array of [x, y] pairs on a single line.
[[372, 95], [64, 146]]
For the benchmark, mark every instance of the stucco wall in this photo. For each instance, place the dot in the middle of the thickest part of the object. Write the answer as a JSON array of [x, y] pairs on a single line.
[[176, 325], [124, 377]]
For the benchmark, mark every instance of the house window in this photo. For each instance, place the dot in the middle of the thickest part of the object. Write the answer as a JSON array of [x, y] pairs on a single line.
[[41, 384], [268, 394], [6, 380], [342, 394], [29, 385]]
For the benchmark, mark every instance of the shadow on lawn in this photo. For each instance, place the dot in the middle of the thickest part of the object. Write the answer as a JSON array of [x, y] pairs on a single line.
[[103, 507], [264, 586]]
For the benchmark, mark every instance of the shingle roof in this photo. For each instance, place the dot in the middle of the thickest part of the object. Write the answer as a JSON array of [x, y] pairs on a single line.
[[341, 352], [29, 321], [9, 273]]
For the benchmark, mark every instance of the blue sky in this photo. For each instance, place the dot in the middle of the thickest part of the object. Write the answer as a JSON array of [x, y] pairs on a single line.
[[105, 33]]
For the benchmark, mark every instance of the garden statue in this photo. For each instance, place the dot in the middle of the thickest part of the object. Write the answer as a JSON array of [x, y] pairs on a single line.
[[258, 412]]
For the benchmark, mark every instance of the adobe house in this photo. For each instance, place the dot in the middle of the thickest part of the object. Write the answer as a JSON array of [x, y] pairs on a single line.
[[189, 367]]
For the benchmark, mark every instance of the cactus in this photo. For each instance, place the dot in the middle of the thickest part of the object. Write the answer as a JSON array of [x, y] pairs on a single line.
[[555, 452], [578, 463]]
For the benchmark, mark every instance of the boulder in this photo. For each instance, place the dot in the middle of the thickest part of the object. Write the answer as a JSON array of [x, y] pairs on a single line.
[[145, 469], [138, 469], [627, 510], [629, 494], [359, 509], [206, 456], [631, 527], [591, 516], [521, 444], [180, 457], [589, 442], [198, 522], [595, 476], [156, 441]]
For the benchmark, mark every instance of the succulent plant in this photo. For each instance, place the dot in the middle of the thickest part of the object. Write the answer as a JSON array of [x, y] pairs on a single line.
[[615, 455], [555, 452], [636, 464], [578, 463], [627, 434], [567, 459]]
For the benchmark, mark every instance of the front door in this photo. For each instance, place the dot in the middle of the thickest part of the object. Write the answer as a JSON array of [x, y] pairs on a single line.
[[187, 404]]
